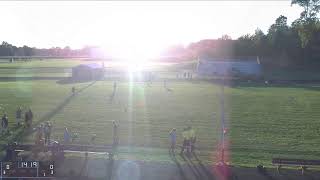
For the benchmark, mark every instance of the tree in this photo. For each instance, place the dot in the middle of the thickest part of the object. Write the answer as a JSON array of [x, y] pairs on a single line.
[[27, 51], [280, 25], [244, 46], [6, 49], [260, 42], [308, 22], [278, 35], [311, 8], [66, 51], [225, 37]]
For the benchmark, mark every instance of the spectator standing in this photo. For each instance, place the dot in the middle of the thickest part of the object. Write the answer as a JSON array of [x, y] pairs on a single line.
[[39, 135], [28, 118], [73, 90], [115, 133], [47, 133], [66, 136], [19, 116], [4, 123]]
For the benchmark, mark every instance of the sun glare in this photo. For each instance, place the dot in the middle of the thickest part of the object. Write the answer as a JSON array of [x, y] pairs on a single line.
[[135, 57]]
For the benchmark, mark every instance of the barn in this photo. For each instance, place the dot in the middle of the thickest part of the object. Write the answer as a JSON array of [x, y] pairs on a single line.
[[92, 71], [229, 67]]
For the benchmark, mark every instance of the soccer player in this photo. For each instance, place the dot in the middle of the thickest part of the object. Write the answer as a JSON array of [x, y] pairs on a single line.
[[114, 87], [165, 84], [93, 138], [185, 140], [115, 134], [193, 138]]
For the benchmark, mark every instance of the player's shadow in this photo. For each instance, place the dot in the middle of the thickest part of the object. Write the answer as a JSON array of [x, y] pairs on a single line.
[[187, 160], [309, 175], [169, 90], [112, 96], [263, 171], [175, 160], [63, 104], [83, 171], [109, 168], [196, 167], [203, 167]]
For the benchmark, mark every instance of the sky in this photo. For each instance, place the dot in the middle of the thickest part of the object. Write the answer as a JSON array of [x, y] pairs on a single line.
[[134, 26]]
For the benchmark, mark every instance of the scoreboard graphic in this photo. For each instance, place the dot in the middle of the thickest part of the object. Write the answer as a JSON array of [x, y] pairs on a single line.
[[27, 170]]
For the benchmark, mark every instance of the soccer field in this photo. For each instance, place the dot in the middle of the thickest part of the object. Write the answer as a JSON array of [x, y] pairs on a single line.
[[262, 121]]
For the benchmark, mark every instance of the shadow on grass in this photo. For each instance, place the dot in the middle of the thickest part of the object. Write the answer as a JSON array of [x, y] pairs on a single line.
[[310, 176], [190, 167], [83, 172], [203, 167], [181, 172], [266, 174], [22, 132], [70, 80], [196, 167], [109, 170], [63, 104]]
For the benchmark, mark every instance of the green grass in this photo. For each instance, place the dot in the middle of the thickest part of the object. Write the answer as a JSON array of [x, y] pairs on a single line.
[[37, 68], [263, 121]]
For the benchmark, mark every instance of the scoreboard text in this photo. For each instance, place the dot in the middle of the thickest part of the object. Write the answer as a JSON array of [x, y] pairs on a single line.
[[27, 169]]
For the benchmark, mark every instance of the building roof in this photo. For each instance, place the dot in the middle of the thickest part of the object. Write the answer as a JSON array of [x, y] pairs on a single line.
[[91, 65], [231, 60]]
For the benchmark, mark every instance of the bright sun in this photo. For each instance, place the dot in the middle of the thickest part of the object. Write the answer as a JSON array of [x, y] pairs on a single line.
[[137, 36], [134, 57], [135, 51]]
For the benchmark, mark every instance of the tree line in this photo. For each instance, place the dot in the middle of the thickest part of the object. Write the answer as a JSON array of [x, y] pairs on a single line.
[[7, 49], [283, 44]]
